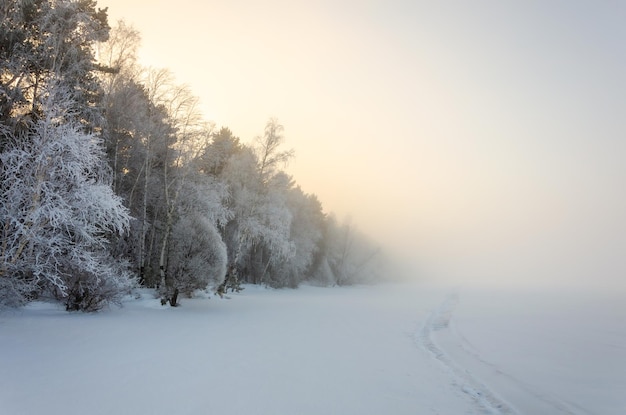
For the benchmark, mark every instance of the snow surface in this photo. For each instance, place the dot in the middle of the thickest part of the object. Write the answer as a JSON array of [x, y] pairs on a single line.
[[386, 349]]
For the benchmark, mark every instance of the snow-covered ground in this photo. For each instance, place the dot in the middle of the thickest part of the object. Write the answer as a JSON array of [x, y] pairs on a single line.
[[530, 351], [387, 349]]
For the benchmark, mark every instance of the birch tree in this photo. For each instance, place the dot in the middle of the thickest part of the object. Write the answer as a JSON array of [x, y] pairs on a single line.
[[139, 134], [190, 137]]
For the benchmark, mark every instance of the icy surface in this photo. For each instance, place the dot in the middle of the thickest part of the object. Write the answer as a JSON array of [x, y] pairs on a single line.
[[396, 349]]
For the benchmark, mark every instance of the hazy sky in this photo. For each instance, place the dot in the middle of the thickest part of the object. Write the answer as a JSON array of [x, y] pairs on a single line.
[[483, 138]]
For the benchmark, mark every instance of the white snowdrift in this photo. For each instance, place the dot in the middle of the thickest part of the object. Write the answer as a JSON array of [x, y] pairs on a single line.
[[389, 349]]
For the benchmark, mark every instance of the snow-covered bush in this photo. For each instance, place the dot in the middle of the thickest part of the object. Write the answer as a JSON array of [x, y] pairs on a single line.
[[197, 256], [58, 211]]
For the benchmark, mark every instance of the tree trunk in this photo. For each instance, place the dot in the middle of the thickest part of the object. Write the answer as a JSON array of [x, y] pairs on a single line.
[[174, 298], [144, 230], [162, 257]]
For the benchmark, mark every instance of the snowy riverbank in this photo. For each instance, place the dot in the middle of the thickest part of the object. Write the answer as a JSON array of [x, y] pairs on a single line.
[[397, 349]]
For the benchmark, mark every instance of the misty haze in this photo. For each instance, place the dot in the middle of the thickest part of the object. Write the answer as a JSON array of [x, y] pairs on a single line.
[[339, 207]]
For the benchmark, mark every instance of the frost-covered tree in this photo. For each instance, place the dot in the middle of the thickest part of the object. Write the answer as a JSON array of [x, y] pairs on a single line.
[[197, 196], [270, 157], [197, 257], [224, 144], [258, 234], [139, 136], [43, 41], [191, 135], [349, 255], [272, 224], [305, 233], [58, 211], [124, 100], [240, 175]]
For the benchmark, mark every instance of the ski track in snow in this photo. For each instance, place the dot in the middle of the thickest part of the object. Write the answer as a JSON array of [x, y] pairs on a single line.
[[484, 399], [554, 404]]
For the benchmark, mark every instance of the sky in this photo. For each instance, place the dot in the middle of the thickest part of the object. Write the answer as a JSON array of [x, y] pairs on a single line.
[[482, 140]]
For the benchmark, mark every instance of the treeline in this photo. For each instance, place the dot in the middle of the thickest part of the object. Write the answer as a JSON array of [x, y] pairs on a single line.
[[111, 178]]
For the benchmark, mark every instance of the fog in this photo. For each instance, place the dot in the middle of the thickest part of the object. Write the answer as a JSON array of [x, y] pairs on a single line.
[[479, 143]]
